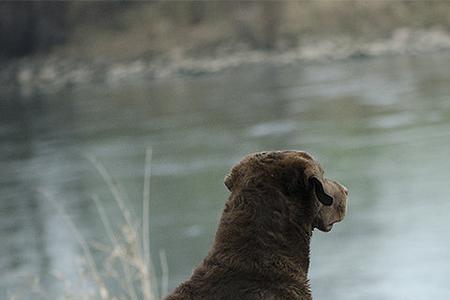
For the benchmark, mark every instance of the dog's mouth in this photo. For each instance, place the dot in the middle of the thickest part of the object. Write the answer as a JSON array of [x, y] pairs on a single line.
[[327, 227]]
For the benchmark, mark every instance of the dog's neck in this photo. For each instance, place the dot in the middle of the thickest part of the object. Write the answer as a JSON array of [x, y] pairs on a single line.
[[263, 234]]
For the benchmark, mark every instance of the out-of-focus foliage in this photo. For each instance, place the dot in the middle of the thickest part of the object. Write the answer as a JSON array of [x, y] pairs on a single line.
[[131, 29], [27, 27]]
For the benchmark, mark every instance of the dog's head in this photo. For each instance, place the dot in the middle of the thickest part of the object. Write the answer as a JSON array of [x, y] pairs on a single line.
[[299, 177]]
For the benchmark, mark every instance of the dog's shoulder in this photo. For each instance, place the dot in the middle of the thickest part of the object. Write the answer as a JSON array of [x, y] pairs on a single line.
[[211, 283]]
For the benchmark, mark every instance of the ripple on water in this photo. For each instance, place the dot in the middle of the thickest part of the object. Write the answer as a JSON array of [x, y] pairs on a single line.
[[272, 128]]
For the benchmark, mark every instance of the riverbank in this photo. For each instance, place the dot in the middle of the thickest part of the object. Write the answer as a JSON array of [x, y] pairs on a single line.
[[55, 72]]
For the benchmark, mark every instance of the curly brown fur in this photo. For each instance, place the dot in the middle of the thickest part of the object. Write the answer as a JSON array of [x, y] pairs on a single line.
[[262, 246]]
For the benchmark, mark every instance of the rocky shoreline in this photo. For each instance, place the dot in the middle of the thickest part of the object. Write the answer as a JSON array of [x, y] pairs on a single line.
[[55, 72]]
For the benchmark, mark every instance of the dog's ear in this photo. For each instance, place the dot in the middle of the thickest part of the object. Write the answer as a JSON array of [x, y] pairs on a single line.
[[317, 185], [229, 181], [237, 171]]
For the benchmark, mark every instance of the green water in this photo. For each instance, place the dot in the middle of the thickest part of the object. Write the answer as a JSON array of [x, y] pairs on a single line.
[[380, 126]]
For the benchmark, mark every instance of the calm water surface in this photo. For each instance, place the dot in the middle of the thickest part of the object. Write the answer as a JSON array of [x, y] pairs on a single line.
[[380, 126]]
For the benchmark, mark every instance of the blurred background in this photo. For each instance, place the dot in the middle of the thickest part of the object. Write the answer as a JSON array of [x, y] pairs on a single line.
[[362, 85]]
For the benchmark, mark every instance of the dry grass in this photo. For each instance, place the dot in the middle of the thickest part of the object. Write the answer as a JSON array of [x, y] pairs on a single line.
[[127, 272]]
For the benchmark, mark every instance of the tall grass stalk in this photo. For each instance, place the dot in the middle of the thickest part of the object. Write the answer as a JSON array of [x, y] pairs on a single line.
[[128, 247], [147, 284], [142, 258], [164, 272], [112, 237]]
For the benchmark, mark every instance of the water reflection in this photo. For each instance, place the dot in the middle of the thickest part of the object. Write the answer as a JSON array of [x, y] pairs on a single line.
[[380, 126]]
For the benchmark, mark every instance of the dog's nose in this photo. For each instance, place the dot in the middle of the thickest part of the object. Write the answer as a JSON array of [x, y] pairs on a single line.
[[345, 190]]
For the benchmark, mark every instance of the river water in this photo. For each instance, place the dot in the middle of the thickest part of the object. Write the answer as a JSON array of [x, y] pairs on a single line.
[[380, 126]]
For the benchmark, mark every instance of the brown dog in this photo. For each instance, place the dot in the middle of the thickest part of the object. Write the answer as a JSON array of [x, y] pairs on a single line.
[[261, 248]]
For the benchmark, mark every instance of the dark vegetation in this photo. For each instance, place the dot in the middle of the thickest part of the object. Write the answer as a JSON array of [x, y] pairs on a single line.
[[30, 27]]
